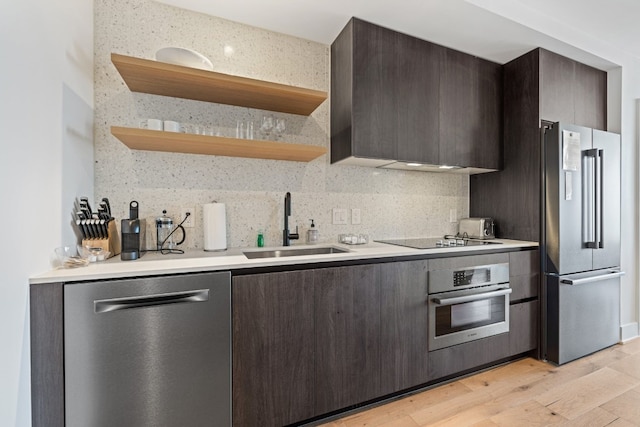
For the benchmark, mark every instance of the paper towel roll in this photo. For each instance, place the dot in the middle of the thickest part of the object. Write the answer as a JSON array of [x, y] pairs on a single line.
[[215, 227]]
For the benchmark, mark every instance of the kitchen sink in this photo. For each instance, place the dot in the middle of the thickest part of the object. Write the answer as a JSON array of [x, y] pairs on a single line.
[[278, 253]]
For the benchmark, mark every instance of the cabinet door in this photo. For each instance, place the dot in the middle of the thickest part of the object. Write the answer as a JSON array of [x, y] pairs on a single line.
[[572, 92], [524, 274], [403, 325], [556, 87], [470, 111], [523, 327], [417, 87], [273, 348], [347, 314], [457, 103], [486, 145], [590, 91], [375, 98], [46, 302], [463, 357]]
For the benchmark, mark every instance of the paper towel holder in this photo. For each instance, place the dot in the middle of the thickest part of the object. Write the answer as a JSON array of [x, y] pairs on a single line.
[[215, 229]]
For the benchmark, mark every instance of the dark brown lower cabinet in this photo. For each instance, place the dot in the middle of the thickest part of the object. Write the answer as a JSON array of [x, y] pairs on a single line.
[[463, 357], [273, 348], [347, 336], [403, 325], [47, 355], [310, 342], [523, 327]]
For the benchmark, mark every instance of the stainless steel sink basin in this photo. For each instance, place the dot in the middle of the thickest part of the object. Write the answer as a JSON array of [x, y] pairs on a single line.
[[278, 253]]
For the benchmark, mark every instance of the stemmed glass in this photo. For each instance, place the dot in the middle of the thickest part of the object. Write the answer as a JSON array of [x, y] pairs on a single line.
[[280, 128]]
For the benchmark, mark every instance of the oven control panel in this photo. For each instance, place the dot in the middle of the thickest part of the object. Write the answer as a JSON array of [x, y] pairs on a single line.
[[471, 277], [446, 280]]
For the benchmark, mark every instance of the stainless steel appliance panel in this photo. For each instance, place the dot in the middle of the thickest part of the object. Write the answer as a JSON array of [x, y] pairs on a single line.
[[467, 303], [463, 316], [608, 200], [467, 277], [581, 292], [149, 352], [568, 182], [476, 228], [585, 309]]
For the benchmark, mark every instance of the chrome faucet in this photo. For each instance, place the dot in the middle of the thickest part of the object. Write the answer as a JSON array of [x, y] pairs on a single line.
[[286, 236]]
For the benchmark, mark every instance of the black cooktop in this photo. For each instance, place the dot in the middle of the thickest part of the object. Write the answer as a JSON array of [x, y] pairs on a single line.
[[434, 242]]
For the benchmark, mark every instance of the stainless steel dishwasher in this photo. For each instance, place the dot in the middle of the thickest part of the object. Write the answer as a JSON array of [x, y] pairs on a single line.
[[153, 351]]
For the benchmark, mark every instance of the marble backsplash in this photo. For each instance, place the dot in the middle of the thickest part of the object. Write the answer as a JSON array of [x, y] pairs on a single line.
[[392, 203]]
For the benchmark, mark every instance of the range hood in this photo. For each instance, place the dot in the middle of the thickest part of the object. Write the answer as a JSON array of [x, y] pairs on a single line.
[[410, 166]]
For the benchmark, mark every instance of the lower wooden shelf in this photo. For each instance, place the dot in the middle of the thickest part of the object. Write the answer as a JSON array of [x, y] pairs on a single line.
[[174, 142]]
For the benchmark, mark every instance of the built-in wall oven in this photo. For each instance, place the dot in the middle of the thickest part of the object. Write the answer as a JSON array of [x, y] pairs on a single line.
[[468, 303]]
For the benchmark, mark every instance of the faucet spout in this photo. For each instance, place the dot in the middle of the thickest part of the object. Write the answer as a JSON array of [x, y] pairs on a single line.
[[286, 236]]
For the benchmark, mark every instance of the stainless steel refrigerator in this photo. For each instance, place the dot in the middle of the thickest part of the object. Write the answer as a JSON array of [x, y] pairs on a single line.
[[581, 242]]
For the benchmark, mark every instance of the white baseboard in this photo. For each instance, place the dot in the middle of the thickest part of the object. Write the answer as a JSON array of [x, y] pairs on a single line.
[[629, 331]]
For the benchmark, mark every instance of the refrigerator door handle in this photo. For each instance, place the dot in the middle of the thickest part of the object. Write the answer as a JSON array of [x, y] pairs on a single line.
[[589, 196], [600, 200], [612, 274]]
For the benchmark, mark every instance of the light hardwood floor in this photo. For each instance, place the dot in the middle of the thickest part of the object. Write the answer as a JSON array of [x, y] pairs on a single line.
[[602, 389]]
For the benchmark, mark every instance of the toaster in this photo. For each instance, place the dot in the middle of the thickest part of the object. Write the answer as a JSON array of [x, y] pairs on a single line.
[[477, 228]]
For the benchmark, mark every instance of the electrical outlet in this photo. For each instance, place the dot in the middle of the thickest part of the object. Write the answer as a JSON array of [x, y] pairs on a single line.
[[356, 216], [453, 215], [339, 216], [191, 220]]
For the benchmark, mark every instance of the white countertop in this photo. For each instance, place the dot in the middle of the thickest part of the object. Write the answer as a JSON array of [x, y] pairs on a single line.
[[192, 261]]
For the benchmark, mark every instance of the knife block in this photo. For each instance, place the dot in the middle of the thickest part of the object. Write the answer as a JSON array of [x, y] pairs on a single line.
[[111, 244]]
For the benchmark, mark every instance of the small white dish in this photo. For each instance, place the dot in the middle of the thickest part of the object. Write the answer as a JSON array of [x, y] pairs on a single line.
[[184, 57]]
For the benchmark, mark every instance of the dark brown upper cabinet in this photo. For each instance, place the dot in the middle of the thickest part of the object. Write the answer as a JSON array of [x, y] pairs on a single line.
[[470, 111], [539, 85], [572, 92], [397, 99]]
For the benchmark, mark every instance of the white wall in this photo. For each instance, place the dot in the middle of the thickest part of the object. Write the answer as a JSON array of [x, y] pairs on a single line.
[[46, 82]]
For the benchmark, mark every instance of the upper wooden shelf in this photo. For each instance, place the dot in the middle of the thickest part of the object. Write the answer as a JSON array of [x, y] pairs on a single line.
[[159, 78], [174, 142]]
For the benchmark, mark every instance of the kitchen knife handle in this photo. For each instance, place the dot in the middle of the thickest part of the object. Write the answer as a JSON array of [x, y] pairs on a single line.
[[106, 202], [610, 275]]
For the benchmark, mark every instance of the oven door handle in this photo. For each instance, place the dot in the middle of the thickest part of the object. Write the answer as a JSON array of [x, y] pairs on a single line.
[[469, 298]]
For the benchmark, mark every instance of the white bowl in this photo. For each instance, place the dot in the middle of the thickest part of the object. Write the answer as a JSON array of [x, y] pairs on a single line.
[[184, 57]]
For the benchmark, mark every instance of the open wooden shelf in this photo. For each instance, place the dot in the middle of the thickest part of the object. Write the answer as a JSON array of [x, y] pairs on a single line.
[[174, 142], [159, 78]]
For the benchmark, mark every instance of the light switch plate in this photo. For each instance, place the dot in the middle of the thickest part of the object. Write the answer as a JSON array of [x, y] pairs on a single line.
[[453, 215], [339, 216], [355, 216]]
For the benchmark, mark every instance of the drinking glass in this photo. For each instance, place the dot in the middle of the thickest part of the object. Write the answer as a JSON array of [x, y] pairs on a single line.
[[267, 126]]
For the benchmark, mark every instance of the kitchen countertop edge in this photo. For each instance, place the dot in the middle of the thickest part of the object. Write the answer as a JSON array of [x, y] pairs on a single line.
[[194, 261]]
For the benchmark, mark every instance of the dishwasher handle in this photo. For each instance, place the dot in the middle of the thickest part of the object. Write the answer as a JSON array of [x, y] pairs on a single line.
[[116, 304], [609, 275], [470, 298]]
